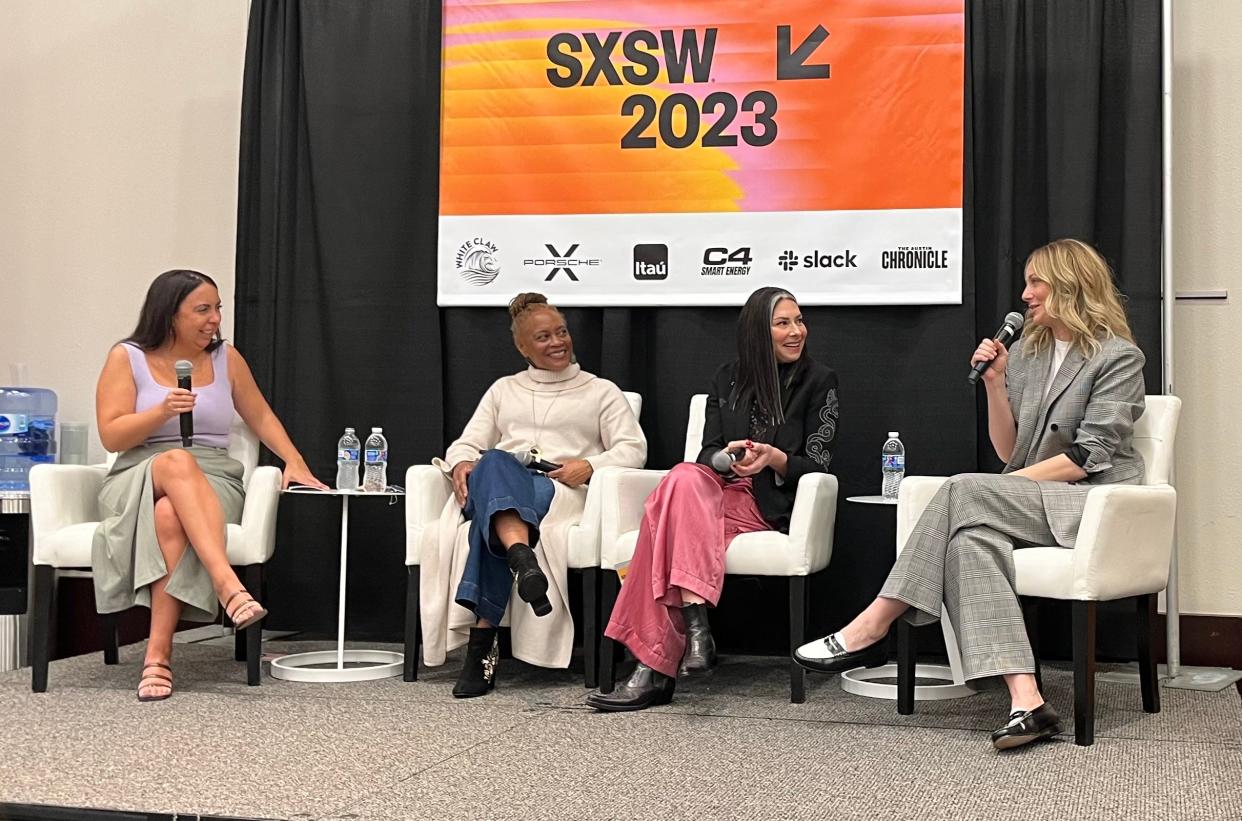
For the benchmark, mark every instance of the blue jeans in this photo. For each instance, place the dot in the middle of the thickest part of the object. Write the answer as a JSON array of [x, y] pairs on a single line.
[[498, 483]]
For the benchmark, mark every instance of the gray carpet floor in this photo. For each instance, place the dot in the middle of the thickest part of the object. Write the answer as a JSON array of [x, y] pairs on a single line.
[[729, 746]]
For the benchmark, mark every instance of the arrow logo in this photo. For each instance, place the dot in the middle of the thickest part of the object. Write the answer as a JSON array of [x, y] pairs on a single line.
[[792, 65]]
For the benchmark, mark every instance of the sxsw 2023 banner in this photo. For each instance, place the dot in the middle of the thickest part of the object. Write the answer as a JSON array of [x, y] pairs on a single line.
[[639, 152]]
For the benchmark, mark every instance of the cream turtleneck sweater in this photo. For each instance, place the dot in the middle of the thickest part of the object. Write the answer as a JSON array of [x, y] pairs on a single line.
[[566, 414]]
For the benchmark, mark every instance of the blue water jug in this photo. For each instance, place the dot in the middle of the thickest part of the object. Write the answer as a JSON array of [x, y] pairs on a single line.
[[27, 434]]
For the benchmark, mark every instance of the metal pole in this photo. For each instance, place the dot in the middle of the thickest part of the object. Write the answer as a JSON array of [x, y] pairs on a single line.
[[1167, 302], [340, 607]]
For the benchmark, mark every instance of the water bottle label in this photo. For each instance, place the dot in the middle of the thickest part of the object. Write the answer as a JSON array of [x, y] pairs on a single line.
[[347, 454], [894, 461], [376, 456], [13, 423]]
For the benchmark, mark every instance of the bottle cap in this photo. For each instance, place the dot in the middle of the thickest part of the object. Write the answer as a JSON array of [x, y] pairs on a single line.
[[892, 434], [377, 430], [349, 430]]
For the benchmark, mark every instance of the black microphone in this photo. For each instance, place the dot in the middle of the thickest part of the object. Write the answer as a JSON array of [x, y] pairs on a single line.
[[1012, 324], [184, 368], [722, 460], [530, 460]]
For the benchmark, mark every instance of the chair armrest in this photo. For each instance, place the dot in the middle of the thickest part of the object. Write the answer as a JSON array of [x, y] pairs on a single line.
[[622, 494], [913, 496], [1125, 541], [586, 534], [258, 522], [813, 520], [64, 495], [426, 491]]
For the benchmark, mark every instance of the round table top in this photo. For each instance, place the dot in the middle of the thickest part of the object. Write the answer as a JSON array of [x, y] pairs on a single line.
[[392, 490], [871, 500]]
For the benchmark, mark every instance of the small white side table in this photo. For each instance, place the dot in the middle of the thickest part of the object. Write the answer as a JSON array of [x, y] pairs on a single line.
[[330, 665], [861, 680]]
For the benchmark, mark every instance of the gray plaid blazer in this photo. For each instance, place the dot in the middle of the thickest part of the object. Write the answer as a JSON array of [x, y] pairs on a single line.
[[1090, 410]]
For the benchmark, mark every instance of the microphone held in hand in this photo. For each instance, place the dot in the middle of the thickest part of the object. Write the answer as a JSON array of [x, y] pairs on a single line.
[[530, 460], [184, 368], [722, 460], [1008, 329]]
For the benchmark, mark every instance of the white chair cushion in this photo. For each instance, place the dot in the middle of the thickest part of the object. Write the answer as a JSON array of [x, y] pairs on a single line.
[[71, 547], [764, 553], [1047, 572]]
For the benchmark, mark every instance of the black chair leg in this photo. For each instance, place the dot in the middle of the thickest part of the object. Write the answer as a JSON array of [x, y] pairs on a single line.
[[590, 626], [1148, 681], [251, 639], [1084, 672], [413, 628], [797, 637], [907, 669], [610, 586], [1030, 615], [109, 636], [41, 609]]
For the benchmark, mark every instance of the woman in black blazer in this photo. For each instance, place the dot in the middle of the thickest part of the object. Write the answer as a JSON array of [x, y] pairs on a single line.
[[771, 417]]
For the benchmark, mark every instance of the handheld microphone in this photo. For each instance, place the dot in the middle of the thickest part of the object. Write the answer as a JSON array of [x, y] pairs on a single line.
[[528, 459], [722, 460], [184, 368], [1008, 329]]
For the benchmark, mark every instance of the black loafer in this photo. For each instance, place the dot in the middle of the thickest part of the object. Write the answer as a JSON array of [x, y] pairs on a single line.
[[1025, 726], [644, 688], [828, 655]]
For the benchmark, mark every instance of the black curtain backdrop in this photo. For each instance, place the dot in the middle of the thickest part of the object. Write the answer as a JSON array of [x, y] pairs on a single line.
[[336, 285]]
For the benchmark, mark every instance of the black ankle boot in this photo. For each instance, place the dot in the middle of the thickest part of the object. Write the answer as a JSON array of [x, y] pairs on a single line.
[[532, 585], [700, 653], [478, 672], [644, 688]]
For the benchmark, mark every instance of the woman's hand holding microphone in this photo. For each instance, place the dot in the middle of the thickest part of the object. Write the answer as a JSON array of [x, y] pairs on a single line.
[[994, 351]]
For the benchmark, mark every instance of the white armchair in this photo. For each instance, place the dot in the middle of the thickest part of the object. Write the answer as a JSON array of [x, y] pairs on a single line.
[[428, 489], [64, 512], [1123, 551], [805, 550]]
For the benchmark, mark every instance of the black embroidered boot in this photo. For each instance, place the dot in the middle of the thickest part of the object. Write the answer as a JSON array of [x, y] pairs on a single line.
[[532, 585], [478, 672], [700, 655]]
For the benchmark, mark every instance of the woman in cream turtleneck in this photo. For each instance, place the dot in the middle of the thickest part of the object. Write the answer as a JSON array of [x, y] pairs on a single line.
[[501, 511]]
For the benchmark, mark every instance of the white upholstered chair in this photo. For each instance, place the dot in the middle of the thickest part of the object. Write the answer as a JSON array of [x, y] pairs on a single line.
[[64, 512], [428, 489], [1123, 551], [806, 549]]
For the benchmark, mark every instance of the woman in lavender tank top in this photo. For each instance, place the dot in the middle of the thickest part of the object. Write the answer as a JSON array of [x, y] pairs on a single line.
[[160, 498]]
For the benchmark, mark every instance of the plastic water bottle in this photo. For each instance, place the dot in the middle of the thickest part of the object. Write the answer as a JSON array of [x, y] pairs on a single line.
[[347, 453], [375, 470], [894, 464], [27, 434]]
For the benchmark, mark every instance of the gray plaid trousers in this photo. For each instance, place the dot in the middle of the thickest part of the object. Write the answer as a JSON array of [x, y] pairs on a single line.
[[961, 553]]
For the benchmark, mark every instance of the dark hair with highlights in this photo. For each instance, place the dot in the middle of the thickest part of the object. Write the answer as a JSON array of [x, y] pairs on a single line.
[[758, 377], [164, 298]]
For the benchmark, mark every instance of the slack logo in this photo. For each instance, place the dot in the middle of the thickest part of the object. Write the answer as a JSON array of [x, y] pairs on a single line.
[[650, 261], [788, 260]]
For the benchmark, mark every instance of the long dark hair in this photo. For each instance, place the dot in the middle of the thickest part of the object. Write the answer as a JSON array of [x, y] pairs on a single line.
[[758, 376], [164, 297]]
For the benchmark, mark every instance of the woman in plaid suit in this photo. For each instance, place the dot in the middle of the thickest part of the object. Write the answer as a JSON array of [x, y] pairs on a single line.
[[1061, 410]]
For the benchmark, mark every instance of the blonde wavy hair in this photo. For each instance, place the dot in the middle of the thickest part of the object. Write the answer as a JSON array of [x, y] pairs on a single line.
[[1082, 295]]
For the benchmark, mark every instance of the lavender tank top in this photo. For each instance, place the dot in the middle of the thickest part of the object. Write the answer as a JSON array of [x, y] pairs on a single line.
[[213, 412]]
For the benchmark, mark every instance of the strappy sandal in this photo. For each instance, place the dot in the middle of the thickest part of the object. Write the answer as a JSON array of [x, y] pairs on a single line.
[[249, 610], [156, 679]]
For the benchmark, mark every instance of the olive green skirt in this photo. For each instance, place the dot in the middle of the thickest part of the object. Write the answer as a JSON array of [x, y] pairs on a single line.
[[125, 555]]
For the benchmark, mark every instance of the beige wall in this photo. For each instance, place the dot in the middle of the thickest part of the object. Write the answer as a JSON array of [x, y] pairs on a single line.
[[1207, 242], [118, 159]]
